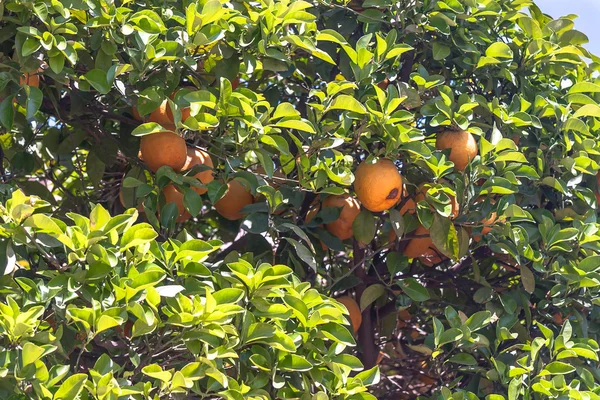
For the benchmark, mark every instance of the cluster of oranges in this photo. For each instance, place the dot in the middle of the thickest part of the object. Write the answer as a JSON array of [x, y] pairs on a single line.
[[169, 149], [379, 187]]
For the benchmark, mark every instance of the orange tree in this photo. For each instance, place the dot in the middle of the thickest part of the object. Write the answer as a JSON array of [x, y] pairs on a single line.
[[186, 184]]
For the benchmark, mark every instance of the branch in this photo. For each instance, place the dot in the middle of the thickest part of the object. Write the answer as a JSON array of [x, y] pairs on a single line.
[[366, 332]]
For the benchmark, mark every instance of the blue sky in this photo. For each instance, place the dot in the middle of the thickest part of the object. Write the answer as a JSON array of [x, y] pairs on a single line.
[[588, 21]]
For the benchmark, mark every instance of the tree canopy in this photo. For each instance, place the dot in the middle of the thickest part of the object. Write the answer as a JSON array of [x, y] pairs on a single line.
[[187, 185]]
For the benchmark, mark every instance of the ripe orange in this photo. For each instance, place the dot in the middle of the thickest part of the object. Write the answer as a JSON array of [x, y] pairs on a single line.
[[160, 115], [488, 224], [462, 145], [409, 206], [419, 247], [431, 257], [172, 195], [199, 157], [236, 198], [31, 78], [163, 148], [353, 310], [235, 83], [378, 186], [383, 85], [342, 227]]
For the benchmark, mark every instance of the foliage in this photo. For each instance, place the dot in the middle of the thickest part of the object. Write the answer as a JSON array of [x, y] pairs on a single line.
[[305, 91], [152, 320]]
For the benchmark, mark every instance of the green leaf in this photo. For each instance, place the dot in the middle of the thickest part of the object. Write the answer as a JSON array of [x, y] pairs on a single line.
[[156, 372], [147, 129], [364, 227], [444, 236], [71, 387], [347, 103], [414, 289], [293, 362], [588, 110], [558, 368], [192, 201], [34, 100], [296, 124], [478, 320], [398, 50], [138, 234], [499, 50], [527, 279], [106, 322], [463, 359], [450, 336], [371, 294], [97, 78], [303, 252], [31, 353], [440, 51], [7, 112]]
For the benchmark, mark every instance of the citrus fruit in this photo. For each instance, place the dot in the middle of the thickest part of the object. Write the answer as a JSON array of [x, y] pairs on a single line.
[[160, 115], [199, 157], [488, 224], [419, 246], [353, 310], [409, 205], [431, 257], [172, 195], [236, 198], [163, 148], [31, 79], [342, 227], [462, 145], [378, 186]]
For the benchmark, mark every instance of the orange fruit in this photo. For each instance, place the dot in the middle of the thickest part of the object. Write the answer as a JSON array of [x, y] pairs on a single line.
[[558, 318], [342, 227], [378, 186], [30, 79], [163, 148], [172, 195], [431, 257], [462, 145], [516, 139], [409, 205], [597, 197], [199, 157], [235, 83], [488, 224], [160, 115], [383, 85], [419, 246], [236, 198], [353, 310]]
